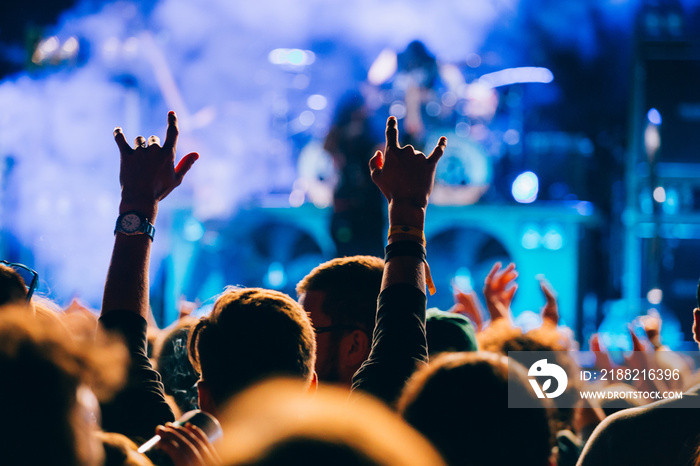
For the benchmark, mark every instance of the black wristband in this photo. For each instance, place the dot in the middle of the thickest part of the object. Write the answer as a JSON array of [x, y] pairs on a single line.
[[405, 248]]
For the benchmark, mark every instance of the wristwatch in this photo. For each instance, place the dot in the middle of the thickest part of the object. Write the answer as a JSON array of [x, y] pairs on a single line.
[[133, 223]]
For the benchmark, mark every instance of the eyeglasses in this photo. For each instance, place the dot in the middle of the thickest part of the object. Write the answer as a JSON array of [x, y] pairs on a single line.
[[28, 275], [333, 328]]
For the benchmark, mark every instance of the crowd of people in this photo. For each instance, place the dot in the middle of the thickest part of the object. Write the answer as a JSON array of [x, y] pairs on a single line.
[[354, 371]]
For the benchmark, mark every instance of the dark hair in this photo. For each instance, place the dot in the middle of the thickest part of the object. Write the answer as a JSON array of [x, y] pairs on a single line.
[[173, 363], [351, 286], [250, 335], [12, 286], [460, 403], [44, 373]]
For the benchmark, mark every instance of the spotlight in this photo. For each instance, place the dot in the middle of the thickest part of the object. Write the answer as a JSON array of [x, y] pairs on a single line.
[[654, 116], [655, 296], [525, 188]]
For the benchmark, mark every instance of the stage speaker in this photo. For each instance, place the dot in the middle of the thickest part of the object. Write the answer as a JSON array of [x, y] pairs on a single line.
[[262, 247], [275, 248], [465, 242]]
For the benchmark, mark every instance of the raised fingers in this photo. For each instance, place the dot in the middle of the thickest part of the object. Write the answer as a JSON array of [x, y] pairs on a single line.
[[184, 165], [172, 132], [153, 141], [120, 139], [496, 267], [392, 133], [505, 281], [439, 150], [139, 141]]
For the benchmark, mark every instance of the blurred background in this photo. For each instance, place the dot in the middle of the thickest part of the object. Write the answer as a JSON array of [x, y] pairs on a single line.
[[573, 130]]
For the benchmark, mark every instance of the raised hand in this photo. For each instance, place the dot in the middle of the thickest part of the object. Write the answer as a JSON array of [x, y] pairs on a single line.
[[652, 327], [550, 311], [637, 344], [499, 289], [641, 359], [602, 357], [403, 174], [148, 172], [469, 306]]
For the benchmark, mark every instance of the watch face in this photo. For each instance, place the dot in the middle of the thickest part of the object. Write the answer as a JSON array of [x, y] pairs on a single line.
[[130, 223]]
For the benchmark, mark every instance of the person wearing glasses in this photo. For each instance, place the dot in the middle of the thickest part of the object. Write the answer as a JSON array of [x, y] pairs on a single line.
[[17, 283], [340, 296]]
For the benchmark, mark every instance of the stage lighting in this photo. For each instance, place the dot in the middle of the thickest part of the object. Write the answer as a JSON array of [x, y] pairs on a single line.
[[317, 102], [276, 277], [193, 230], [291, 57], [525, 188], [383, 68], [654, 116], [463, 280], [659, 194], [655, 296], [553, 239], [398, 109], [531, 237], [523, 74], [307, 118]]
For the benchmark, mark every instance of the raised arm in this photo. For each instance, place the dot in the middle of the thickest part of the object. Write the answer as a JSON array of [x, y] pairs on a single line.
[[405, 177], [147, 175]]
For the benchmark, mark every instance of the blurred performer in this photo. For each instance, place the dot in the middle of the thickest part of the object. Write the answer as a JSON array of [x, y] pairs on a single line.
[[417, 77], [357, 224]]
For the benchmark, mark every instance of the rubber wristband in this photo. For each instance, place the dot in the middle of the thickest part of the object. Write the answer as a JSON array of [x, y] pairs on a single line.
[[404, 248], [411, 249]]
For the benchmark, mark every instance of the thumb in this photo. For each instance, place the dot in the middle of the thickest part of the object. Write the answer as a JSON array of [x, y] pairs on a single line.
[[185, 164], [376, 163], [439, 150]]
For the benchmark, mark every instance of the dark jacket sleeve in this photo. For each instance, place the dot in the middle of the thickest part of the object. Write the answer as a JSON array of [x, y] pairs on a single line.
[[398, 343], [140, 406]]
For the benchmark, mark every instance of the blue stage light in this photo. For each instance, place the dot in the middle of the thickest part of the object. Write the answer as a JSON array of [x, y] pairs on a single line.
[[193, 230], [463, 280], [276, 277], [553, 239], [654, 116], [531, 237]]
